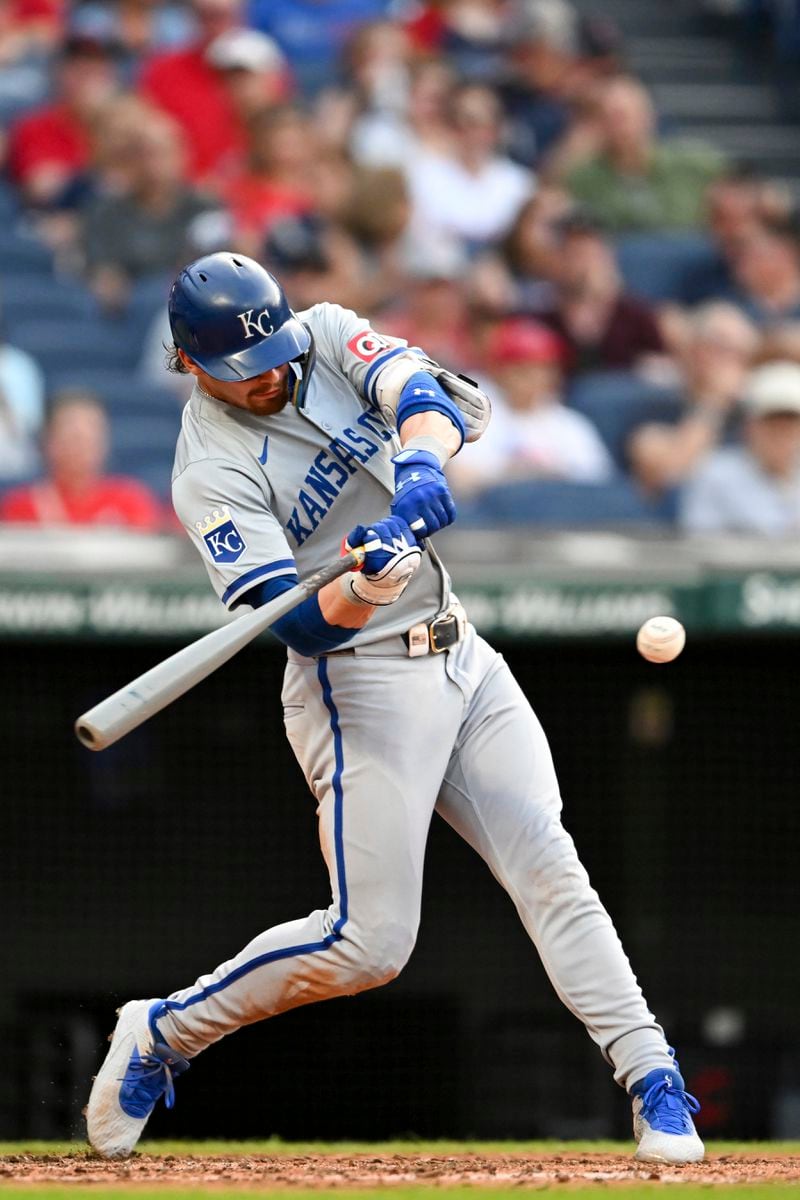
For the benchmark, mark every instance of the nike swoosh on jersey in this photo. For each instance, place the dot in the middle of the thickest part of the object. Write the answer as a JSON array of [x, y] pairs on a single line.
[[262, 458]]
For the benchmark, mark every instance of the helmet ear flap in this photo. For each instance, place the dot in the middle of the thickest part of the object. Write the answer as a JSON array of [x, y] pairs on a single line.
[[300, 369]]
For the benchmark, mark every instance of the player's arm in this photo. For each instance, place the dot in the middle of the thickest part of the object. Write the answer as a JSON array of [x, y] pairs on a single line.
[[432, 429], [327, 620], [434, 411]]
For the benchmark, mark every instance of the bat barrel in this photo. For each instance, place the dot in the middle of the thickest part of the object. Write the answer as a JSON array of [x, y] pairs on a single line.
[[133, 704]]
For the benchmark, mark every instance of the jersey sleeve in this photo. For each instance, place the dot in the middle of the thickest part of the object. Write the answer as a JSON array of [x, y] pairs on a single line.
[[352, 345], [226, 514]]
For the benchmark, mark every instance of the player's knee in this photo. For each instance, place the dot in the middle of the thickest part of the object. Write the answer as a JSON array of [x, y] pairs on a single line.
[[382, 952]]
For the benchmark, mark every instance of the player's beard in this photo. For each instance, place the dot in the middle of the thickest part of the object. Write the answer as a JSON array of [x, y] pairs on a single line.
[[265, 402]]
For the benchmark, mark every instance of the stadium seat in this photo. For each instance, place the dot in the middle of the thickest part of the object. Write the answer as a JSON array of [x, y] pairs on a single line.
[[616, 401], [659, 266], [154, 432], [30, 297], [145, 448], [9, 205], [21, 254], [71, 343], [123, 393], [153, 468], [551, 502]]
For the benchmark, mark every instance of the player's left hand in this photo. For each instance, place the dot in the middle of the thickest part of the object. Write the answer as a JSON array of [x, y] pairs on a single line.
[[421, 495], [392, 556]]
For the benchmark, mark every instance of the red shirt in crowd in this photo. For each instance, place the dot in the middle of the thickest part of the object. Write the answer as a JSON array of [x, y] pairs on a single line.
[[112, 500], [190, 90], [256, 203], [47, 136], [632, 330]]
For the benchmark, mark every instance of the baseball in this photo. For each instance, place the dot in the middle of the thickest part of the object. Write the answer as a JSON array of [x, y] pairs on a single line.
[[661, 639]]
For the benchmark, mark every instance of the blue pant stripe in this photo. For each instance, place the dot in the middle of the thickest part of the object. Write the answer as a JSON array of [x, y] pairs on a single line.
[[338, 815], [338, 837]]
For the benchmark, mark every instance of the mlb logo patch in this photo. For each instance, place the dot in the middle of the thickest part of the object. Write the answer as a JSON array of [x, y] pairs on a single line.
[[225, 543]]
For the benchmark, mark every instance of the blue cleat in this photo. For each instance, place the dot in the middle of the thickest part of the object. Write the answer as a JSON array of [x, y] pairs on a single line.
[[662, 1119], [138, 1070]]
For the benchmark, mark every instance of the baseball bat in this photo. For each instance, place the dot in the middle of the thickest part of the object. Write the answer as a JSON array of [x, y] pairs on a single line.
[[133, 704]]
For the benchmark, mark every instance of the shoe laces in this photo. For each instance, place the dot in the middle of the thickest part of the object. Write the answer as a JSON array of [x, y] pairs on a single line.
[[668, 1108], [150, 1075]]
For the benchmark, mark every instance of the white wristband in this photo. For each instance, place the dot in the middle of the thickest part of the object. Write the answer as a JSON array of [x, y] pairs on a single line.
[[433, 445]]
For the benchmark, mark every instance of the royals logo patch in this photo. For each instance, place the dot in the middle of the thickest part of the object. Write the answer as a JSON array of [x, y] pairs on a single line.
[[218, 531]]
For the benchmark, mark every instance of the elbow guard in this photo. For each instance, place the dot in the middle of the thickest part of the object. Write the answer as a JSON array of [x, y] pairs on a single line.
[[472, 404]]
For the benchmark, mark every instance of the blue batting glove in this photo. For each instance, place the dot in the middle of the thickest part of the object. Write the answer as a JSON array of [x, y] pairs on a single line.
[[383, 541], [421, 495]]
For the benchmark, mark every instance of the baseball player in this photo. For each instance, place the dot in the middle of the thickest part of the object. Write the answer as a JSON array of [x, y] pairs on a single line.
[[303, 429]]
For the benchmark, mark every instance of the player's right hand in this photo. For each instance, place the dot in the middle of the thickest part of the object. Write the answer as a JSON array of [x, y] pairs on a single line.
[[421, 494], [392, 557]]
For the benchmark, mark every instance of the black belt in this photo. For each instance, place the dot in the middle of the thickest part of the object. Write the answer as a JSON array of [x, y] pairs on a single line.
[[426, 637], [441, 633]]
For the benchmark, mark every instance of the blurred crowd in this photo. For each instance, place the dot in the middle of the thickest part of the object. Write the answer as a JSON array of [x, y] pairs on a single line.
[[484, 178]]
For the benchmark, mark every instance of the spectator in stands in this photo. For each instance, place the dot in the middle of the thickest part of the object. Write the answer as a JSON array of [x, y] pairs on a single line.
[[315, 260], [50, 146], [531, 253], [542, 58], [394, 139], [114, 133], [158, 222], [532, 434], [375, 214], [29, 26], [433, 311], [375, 87], [187, 86], [720, 349], [137, 27], [475, 192], [625, 176], [314, 36], [473, 36], [76, 491], [279, 177], [21, 411], [394, 113], [603, 327], [736, 203], [253, 69], [29, 34], [754, 487], [766, 271]]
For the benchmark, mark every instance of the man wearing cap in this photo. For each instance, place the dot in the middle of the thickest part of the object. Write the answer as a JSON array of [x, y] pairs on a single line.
[[193, 84], [754, 487], [532, 434], [50, 146]]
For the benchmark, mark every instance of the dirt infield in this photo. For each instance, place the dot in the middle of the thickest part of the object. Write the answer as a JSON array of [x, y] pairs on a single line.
[[371, 1171]]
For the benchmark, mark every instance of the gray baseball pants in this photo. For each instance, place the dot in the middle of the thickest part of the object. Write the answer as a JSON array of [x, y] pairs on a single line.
[[383, 740]]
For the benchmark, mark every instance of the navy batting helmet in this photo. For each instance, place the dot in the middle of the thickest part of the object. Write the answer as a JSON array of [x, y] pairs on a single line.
[[232, 318]]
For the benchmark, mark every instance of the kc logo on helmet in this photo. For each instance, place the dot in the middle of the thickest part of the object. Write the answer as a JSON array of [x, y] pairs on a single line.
[[253, 325], [218, 530]]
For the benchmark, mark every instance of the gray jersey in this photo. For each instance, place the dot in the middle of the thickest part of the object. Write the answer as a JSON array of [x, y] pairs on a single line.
[[268, 496]]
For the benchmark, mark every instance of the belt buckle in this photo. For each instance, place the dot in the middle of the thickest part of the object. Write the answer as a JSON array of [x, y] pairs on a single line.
[[447, 621]]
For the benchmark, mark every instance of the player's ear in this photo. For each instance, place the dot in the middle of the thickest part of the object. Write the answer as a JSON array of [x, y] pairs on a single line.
[[189, 363]]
